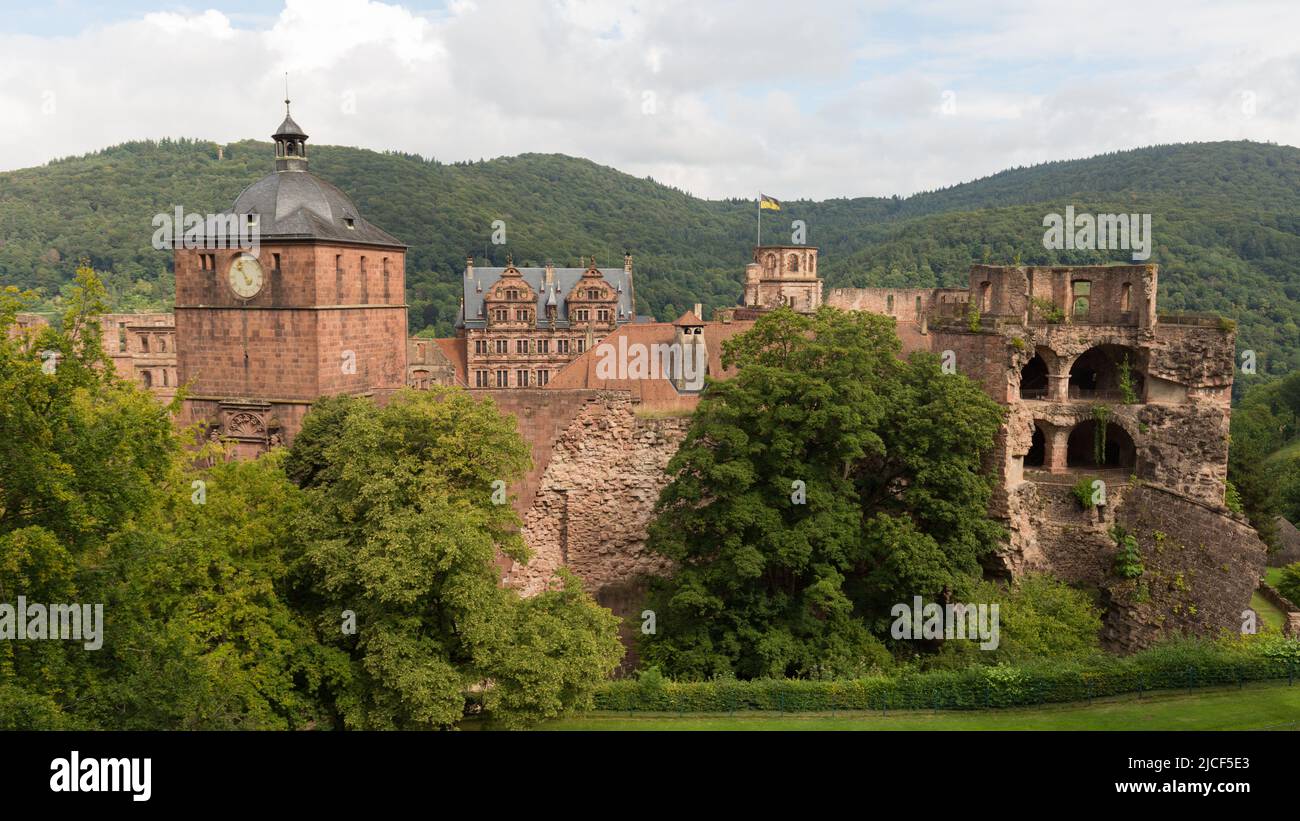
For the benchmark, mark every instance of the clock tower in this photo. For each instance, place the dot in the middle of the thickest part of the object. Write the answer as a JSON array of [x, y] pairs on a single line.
[[314, 305]]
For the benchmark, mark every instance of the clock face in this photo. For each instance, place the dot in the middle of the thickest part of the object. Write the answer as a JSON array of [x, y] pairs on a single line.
[[246, 277]]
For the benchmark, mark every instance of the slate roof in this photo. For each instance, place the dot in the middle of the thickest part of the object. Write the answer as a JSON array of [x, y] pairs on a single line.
[[300, 205], [476, 285], [289, 128]]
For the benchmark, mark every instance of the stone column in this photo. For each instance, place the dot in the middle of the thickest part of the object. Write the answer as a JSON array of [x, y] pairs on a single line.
[[1055, 446], [1058, 387]]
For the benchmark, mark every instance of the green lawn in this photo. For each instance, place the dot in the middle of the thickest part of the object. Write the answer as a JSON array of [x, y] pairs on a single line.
[[1273, 575], [1269, 615], [1273, 705]]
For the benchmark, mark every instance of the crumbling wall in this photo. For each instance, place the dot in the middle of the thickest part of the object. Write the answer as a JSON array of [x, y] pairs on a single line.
[[1201, 566], [542, 416], [596, 497]]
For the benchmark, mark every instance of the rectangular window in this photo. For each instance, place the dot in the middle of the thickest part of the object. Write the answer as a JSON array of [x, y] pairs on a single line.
[[500, 314], [581, 315], [543, 378], [480, 379], [543, 346], [602, 315], [582, 345], [521, 379], [338, 279], [503, 346], [275, 264], [521, 346], [480, 346], [144, 343], [121, 337], [521, 316], [503, 379], [561, 346]]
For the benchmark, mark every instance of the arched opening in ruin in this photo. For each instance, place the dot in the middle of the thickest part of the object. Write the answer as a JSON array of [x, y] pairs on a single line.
[[1099, 373], [1037, 449], [1115, 447], [1033, 379]]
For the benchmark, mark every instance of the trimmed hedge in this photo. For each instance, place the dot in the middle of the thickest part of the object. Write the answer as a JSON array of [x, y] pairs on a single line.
[[973, 688]]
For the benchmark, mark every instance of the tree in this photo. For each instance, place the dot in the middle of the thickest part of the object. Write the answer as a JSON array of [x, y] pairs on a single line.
[[825, 482], [79, 455], [404, 534]]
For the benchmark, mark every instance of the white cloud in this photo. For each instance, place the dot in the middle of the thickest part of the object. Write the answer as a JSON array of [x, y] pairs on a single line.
[[719, 97]]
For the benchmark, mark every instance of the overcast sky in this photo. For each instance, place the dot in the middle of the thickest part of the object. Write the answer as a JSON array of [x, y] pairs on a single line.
[[814, 98]]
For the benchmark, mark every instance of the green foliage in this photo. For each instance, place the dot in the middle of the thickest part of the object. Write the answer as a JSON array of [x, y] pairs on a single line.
[[1128, 558], [1176, 664], [1101, 416], [1039, 618], [96, 507], [1232, 499], [404, 534], [1082, 491], [973, 316], [1047, 311], [889, 453], [222, 588], [1289, 584], [1264, 453], [1128, 396]]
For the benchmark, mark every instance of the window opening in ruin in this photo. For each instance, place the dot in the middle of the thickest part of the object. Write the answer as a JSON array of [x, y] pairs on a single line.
[[1082, 293]]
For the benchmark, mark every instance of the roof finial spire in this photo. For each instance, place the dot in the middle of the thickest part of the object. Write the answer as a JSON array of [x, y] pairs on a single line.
[[286, 94]]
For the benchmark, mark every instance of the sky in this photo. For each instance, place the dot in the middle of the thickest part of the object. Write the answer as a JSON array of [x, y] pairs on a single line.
[[720, 98]]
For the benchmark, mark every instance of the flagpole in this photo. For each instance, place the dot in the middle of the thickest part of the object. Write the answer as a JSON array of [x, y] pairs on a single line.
[[760, 221]]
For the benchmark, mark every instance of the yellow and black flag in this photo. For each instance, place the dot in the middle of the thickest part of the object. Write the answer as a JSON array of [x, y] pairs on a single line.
[[766, 203]]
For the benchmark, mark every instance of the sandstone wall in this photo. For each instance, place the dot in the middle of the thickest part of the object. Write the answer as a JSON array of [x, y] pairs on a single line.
[[596, 497], [542, 416], [1201, 567]]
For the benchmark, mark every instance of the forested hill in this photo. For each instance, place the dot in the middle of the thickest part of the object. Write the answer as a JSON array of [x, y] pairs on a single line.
[[1226, 223]]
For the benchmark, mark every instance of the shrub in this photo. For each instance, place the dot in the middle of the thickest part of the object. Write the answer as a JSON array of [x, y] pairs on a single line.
[[1047, 311], [1177, 664], [1128, 560], [1289, 584], [1128, 395], [1082, 491], [1232, 499]]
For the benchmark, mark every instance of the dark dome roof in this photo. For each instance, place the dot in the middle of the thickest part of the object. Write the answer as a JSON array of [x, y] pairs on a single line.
[[289, 128], [298, 204]]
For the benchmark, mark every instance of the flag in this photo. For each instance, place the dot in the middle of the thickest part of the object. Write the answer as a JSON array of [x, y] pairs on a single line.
[[766, 203]]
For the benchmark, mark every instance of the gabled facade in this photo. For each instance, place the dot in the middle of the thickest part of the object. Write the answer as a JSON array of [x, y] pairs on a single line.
[[521, 325]]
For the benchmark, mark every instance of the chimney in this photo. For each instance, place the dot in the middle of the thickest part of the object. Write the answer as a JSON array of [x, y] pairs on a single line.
[[699, 311], [627, 261], [550, 273], [469, 266]]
